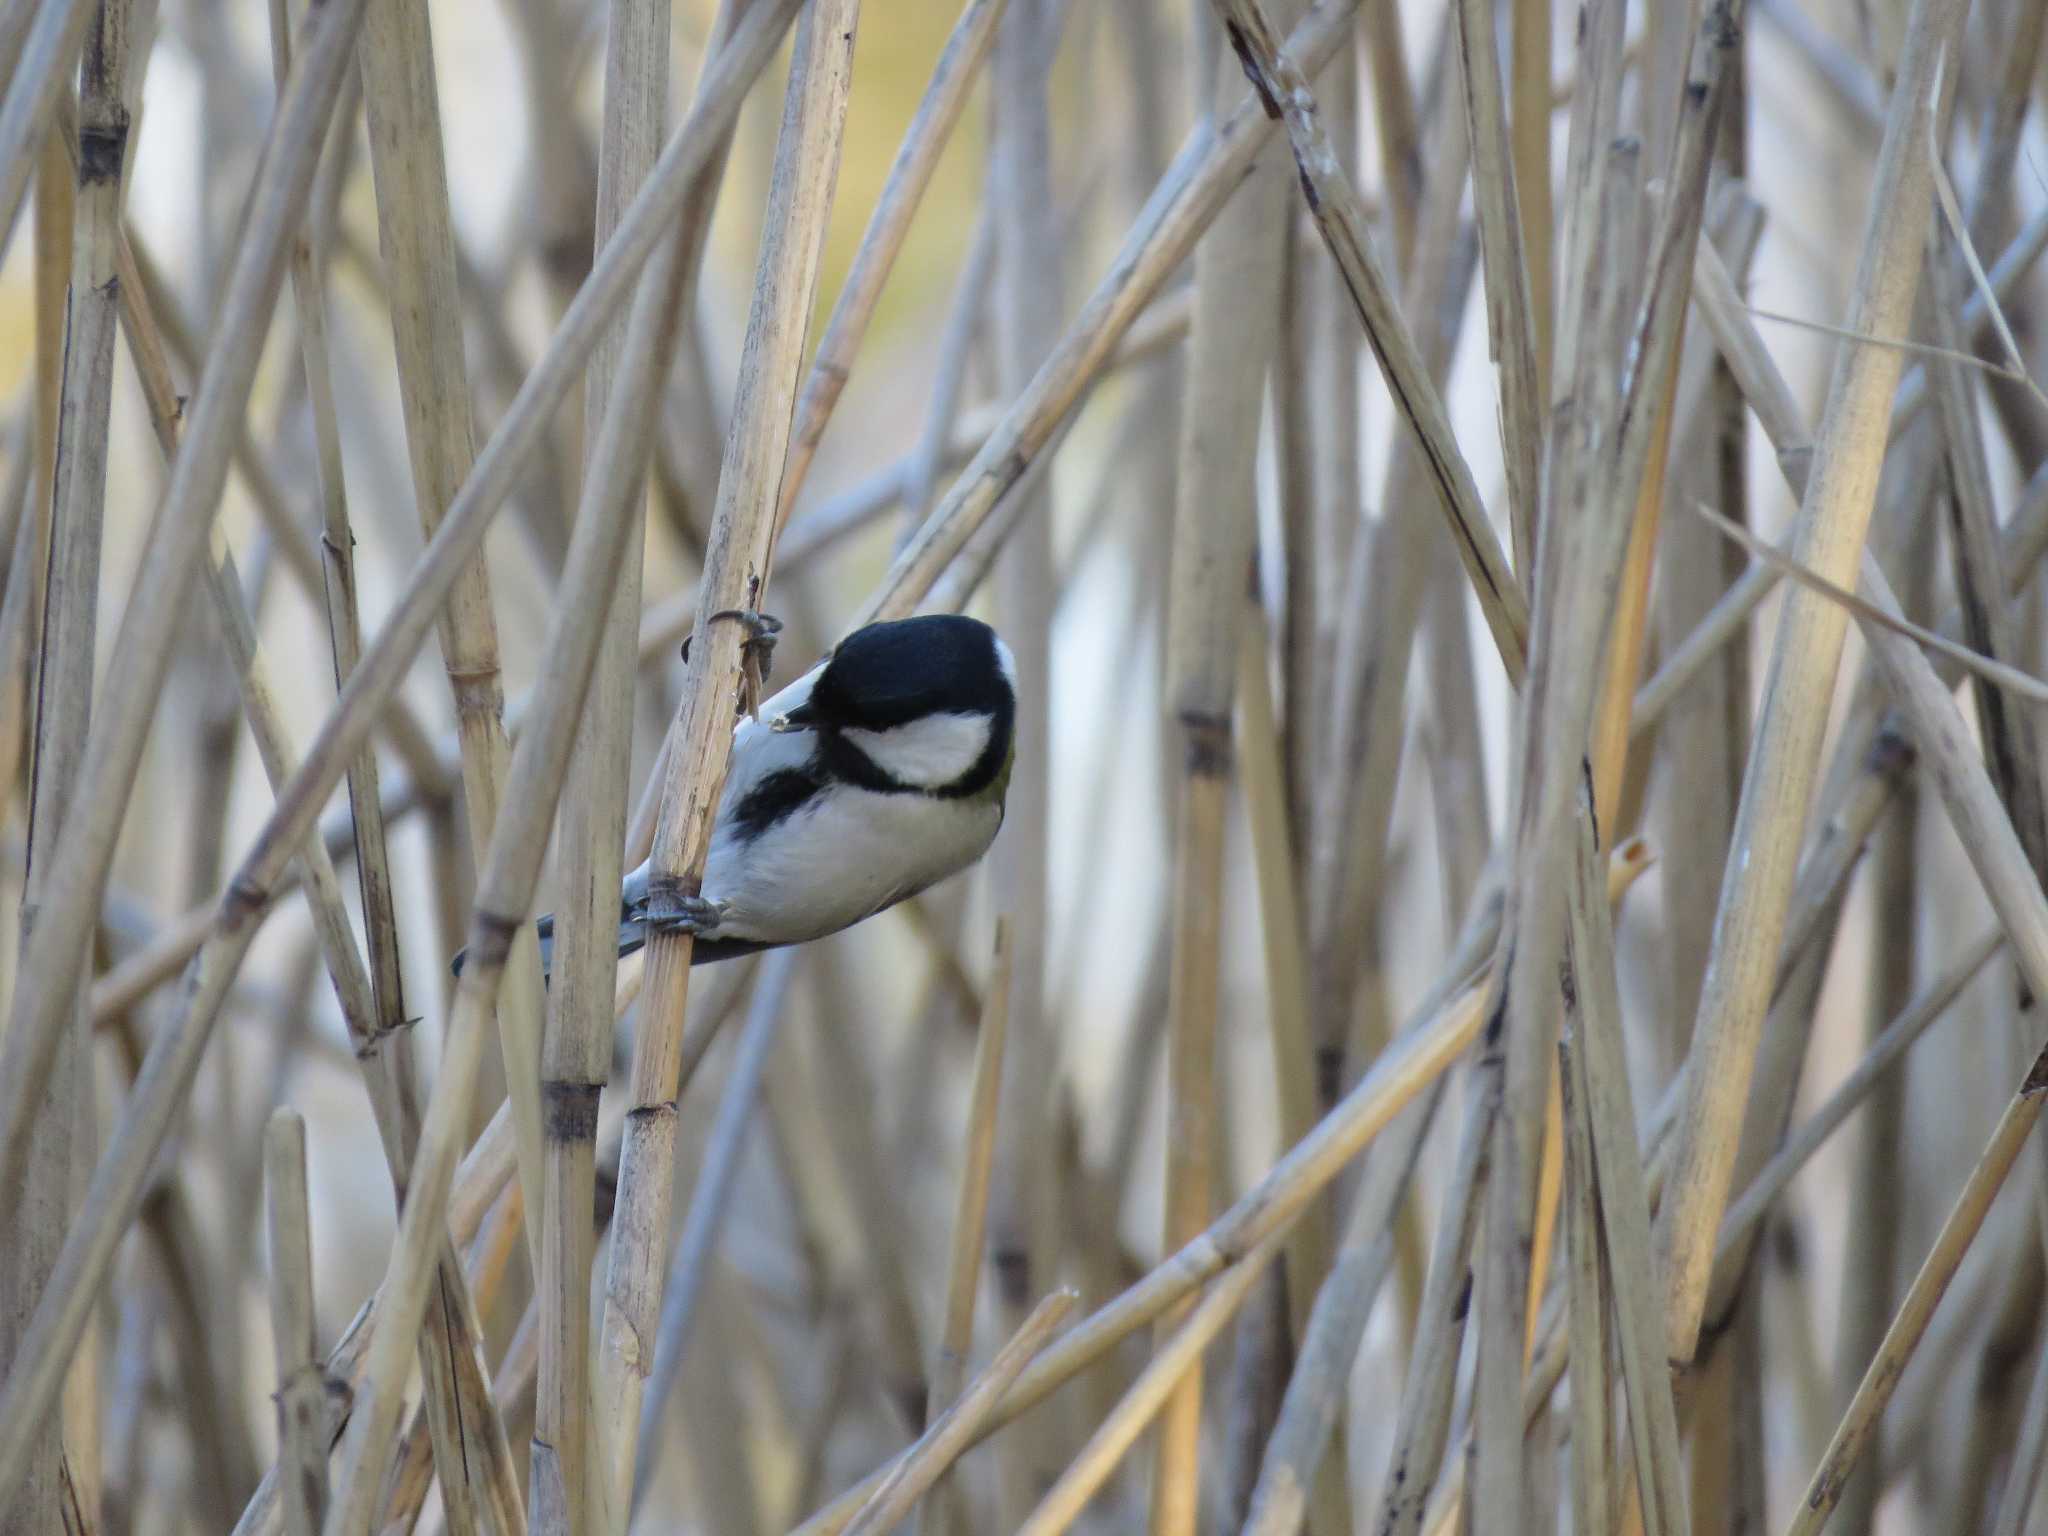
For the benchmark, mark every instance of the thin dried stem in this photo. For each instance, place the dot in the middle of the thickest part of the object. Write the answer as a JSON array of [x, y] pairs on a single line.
[[301, 1382], [1785, 758], [735, 578]]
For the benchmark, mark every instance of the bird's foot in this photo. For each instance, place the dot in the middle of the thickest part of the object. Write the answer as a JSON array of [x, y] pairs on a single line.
[[684, 914]]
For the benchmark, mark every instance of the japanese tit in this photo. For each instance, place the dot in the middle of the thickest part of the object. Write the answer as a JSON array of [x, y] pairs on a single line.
[[879, 772]]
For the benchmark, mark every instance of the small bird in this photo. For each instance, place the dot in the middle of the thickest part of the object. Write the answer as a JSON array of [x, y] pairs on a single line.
[[879, 772]]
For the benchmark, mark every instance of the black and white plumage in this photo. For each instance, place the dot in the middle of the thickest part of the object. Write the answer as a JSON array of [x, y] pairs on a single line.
[[879, 772]]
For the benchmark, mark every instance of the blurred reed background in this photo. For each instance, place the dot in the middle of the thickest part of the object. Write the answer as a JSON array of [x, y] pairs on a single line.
[[1434, 1045]]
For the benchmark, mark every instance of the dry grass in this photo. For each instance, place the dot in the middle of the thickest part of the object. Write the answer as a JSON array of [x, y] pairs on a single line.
[[1428, 1047]]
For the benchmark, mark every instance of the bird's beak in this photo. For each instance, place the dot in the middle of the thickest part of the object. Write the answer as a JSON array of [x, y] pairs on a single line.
[[799, 719]]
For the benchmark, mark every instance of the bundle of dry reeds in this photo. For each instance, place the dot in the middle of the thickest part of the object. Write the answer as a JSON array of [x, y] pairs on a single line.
[[1519, 528]]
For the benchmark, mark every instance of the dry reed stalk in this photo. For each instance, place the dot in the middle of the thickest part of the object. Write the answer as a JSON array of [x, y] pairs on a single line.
[[709, 1198], [1785, 756], [1178, 1353], [174, 1056], [1958, 1231], [63, 1104], [735, 577], [1360, 735], [918, 1471], [1589, 1322], [2011, 741], [1188, 197], [84, 849], [1601, 1094], [970, 1206], [1237, 312], [1404, 1070], [1279, 79], [1510, 319], [302, 1385], [1284, 942], [910, 174], [1024, 315], [1883, 1053], [1580, 567], [576, 1043], [1294, 1454], [378, 1029], [415, 231], [2015, 1500], [500, 926], [1719, 306], [41, 71]]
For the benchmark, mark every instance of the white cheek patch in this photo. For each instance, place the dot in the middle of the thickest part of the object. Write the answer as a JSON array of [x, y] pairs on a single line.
[[927, 753]]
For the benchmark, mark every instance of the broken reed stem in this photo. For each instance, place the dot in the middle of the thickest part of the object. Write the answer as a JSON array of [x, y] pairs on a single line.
[[1909, 1325], [970, 1204], [415, 230], [301, 1380], [1784, 758], [735, 578], [1280, 80], [910, 174], [577, 1032], [1201, 180], [500, 927], [1236, 329], [920, 1468]]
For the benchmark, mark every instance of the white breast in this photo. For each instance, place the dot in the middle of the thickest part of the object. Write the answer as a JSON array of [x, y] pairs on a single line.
[[846, 855]]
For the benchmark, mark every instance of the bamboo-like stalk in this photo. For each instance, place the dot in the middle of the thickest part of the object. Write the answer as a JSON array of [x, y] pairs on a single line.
[[1278, 78], [970, 1207], [415, 228], [499, 927], [920, 1468], [84, 849], [945, 98], [1785, 757], [576, 1043], [1958, 1231], [1237, 312], [33, 1225], [301, 1382], [735, 577]]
